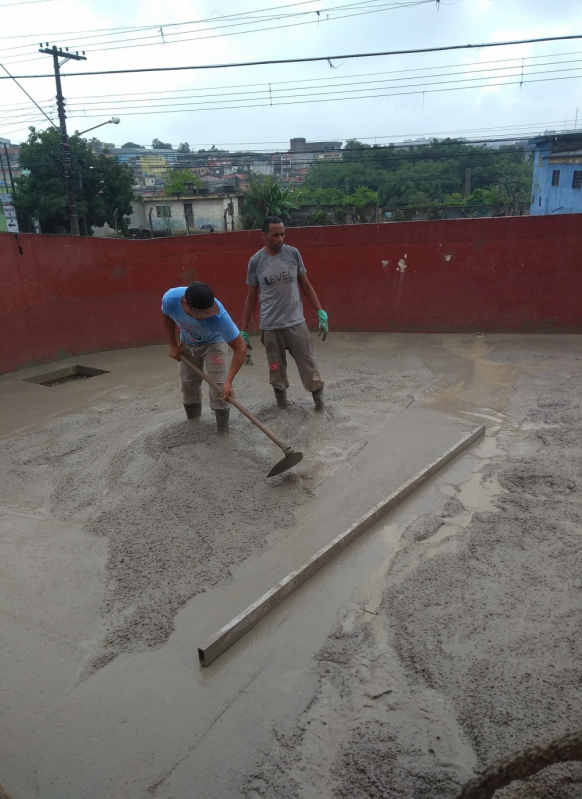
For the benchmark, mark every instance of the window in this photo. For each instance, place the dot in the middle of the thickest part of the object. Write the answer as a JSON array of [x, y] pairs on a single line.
[[540, 201], [577, 180], [540, 160], [163, 211], [556, 177]]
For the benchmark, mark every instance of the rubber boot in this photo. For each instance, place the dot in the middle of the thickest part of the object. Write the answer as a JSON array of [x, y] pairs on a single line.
[[281, 397], [222, 421], [193, 411], [318, 399]]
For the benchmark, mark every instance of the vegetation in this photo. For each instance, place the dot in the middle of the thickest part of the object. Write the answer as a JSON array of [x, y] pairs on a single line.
[[432, 174], [160, 145], [184, 147], [266, 196], [176, 180], [131, 144], [103, 187]]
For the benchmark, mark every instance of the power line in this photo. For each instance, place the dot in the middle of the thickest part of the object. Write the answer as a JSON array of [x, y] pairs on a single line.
[[28, 95], [154, 95], [370, 7], [534, 126], [261, 30], [76, 103], [25, 3], [195, 109], [156, 26], [277, 94], [313, 59]]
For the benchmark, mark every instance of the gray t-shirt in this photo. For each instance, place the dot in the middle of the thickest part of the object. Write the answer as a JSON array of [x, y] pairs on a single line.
[[276, 276]]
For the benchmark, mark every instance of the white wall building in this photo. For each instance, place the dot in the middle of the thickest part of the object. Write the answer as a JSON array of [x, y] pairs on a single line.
[[164, 216]]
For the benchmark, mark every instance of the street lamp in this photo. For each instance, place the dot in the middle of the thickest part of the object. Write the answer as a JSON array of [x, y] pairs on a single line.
[[112, 121]]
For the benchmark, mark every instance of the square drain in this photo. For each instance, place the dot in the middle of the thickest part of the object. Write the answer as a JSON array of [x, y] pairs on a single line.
[[66, 375]]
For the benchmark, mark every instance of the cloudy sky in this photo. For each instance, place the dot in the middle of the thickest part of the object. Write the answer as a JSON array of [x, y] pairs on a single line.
[[487, 92]]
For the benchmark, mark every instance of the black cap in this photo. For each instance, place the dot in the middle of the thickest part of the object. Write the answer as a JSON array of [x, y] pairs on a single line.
[[199, 295]]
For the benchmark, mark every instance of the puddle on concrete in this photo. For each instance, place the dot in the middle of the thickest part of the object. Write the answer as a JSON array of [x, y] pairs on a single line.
[[478, 494]]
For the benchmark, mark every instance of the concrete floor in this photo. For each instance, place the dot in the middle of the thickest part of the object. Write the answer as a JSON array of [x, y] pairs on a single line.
[[129, 535]]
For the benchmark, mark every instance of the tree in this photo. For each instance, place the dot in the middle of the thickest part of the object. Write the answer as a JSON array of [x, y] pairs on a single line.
[[184, 147], [103, 186], [160, 145], [362, 199], [131, 144], [176, 180], [266, 196]]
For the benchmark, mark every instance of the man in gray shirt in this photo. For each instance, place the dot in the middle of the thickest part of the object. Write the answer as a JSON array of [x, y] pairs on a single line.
[[276, 273]]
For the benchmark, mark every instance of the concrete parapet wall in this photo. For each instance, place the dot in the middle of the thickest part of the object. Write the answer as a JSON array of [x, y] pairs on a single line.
[[63, 295]]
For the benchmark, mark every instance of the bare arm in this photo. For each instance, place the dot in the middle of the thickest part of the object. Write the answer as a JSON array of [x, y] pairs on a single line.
[[309, 292], [250, 305], [170, 328], [239, 349]]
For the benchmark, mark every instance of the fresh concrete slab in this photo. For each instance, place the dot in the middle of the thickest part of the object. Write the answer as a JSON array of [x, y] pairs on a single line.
[[131, 534]]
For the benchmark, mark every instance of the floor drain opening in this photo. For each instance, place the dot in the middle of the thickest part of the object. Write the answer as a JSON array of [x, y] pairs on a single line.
[[65, 375]]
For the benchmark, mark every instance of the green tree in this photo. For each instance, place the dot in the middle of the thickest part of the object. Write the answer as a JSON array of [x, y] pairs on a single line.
[[184, 147], [176, 180], [103, 186], [131, 144], [406, 177], [160, 145], [266, 196], [362, 197], [319, 218], [330, 196]]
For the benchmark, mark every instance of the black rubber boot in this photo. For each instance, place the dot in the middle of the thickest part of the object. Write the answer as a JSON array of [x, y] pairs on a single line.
[[318, 399], [222, 421], [193, 411], [281, 397]]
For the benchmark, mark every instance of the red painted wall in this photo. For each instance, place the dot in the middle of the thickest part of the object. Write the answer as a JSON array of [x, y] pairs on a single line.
[[518, 274]]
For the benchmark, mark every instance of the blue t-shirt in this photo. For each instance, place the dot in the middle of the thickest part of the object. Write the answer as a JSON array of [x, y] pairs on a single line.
[[198, 331]]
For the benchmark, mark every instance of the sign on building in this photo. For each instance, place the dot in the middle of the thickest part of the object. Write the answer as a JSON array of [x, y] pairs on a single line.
[[9, 213]]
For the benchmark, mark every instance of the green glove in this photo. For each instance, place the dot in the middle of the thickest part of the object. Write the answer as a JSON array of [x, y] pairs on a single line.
[[245, 337], [323, 325]]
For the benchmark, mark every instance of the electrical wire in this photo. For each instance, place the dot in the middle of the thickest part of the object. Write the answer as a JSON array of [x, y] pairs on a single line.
[[309, 60], [275, 93], [162, 37], [282, 101], [157, 25], [154, 95], [28, 95]]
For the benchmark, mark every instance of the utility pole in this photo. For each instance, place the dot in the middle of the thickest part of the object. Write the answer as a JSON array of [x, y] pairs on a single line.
[[4, 175], [9, 167], [467, 182], [67, 166]]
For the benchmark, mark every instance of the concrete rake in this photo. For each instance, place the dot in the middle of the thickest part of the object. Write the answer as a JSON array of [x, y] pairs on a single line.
[[291, 458]]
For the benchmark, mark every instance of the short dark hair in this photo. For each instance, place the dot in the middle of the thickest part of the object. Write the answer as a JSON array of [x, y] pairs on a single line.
[[270, 220], [199, 295]]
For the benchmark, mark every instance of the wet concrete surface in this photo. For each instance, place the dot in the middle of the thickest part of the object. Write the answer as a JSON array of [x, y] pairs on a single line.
[[442, 639]]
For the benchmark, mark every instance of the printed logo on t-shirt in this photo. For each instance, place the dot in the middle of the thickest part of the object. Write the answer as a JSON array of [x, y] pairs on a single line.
[[191, 333], [282, 277]]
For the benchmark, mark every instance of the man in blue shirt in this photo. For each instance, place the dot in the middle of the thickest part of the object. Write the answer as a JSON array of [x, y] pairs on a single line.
[[205, 330]]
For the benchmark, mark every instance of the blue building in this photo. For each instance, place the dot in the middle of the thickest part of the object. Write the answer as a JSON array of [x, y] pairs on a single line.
[[557, 174]]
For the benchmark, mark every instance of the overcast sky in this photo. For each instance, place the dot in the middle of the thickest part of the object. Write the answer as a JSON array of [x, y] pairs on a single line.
[[266, 106]]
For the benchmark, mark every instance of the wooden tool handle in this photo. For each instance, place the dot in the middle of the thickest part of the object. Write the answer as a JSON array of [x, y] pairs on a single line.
[[237, 405]]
